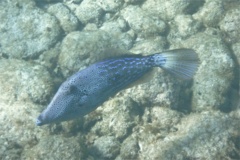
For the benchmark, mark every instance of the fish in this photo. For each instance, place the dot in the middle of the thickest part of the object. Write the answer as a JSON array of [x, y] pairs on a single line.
[[87, 89]]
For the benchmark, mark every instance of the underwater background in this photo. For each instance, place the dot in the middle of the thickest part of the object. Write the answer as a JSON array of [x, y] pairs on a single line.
[[43, 42]]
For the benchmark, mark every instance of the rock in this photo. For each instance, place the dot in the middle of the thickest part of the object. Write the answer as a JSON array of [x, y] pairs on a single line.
[[182, 27], [109, 5], [129, 148], [210, 129], [90, 27], [80, 49], [67, 19], [143, 24], [236, 51], [167, 10], [149, 46], [231, 25], [77, 1], [159, 88], [58, 146], [47, 1], [106, 147], [215, 74], [10, 149], [118, 30], [118, 116], [115, 27], [124, 41], [49, 58], [24, 81], [18, 134], [186, 25], [133, 1], [26, 30], [235, 88], [89, 12], [161, 118], [211, 13]]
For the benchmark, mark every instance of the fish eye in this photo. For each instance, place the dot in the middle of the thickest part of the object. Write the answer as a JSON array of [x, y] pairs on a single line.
[[72, 89]]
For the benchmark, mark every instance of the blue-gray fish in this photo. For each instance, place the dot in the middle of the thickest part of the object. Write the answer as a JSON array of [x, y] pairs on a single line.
[[87, 89]]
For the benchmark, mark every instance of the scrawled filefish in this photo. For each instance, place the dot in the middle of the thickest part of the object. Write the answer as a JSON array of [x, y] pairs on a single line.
[[84, 91]]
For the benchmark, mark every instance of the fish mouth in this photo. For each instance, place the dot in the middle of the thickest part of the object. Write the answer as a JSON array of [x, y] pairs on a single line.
[[39, 121]]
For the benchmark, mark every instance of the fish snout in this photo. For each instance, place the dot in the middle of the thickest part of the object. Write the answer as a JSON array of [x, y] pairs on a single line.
[[40, 121]]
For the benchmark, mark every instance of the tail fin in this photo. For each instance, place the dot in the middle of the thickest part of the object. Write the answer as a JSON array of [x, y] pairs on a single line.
[[181, 62]]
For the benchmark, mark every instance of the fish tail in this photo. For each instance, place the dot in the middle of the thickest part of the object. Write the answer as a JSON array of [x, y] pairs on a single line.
[[180, 62]]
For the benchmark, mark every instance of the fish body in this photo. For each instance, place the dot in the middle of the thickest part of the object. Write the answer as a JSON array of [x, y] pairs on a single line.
[[87, 89]]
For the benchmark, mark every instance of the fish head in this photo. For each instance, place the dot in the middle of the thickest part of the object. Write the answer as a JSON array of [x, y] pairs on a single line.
[[68, 103]]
